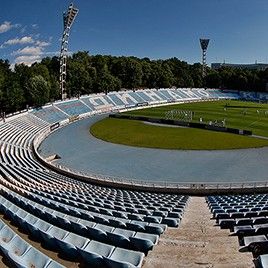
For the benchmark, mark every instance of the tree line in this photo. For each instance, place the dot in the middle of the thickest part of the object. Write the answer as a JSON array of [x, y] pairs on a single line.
[[38, 84]]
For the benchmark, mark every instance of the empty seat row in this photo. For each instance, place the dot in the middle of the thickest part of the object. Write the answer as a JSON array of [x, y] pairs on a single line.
[[55, 200], [247, 217], [93, 252], [21, 253], [100, 232]]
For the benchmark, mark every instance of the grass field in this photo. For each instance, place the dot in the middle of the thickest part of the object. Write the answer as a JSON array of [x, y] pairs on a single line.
[[237, 114]]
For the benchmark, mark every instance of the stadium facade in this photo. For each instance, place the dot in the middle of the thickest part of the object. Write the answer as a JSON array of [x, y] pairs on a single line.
[[254, 66]]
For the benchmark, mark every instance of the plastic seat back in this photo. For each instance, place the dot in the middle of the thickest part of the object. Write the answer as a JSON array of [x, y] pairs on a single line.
[[127, 256], [6, 234], [31, 258], [18, 246]]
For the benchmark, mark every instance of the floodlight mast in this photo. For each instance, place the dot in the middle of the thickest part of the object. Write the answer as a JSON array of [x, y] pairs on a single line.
[[68, 19], [204, 46]]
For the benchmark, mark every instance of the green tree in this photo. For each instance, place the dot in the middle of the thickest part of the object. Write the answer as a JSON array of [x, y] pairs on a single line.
[[15, 96], [54, 93], [23, 74], [5, 75], [166, 79], [133, 76], [39, 90], [213, 80], [39, 83], [107, 82], [146, 72]]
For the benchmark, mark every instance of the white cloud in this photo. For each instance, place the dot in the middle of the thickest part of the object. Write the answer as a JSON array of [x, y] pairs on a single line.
[[42, 43], [6, 26], [29, 50], [30, 53], [52, 53], [35, 48], [23, 29], [21, 41], [35, 26], [28, 59], [25, 40]]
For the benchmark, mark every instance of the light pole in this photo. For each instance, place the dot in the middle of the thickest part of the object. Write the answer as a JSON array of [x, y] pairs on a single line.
[[68, 19], [204, 46]]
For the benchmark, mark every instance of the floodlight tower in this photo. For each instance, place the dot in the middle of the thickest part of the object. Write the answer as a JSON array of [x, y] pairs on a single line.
[[204, 46], [68, 19]]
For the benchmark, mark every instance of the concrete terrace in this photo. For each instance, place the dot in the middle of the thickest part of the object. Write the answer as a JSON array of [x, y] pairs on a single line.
[[197, 243]]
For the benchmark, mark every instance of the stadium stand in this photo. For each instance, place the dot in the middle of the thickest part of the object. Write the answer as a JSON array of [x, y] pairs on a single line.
[[247, 217], [102, 226], [74, 107], [99, 100], [49, 114], [120, 100]]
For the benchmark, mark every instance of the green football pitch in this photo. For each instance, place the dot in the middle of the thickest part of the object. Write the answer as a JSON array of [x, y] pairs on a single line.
[[235, 114]]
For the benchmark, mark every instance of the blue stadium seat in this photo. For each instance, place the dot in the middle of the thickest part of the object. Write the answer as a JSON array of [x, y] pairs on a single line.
[[16, 246], [31, 258], [52, 235], [94, 251], [6, 235], [71, 243], [262, 261], [124, 258]]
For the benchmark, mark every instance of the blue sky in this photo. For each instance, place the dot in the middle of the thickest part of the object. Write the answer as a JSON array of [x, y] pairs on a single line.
[[238, 29]]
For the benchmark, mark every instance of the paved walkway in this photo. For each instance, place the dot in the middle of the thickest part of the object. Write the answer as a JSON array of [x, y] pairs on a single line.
[[197, 243]]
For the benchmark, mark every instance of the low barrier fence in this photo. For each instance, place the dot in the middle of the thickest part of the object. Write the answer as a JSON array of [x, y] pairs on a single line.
[[182, 123]]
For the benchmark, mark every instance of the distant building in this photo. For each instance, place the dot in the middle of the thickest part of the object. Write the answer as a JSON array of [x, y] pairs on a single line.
[[255, 66]]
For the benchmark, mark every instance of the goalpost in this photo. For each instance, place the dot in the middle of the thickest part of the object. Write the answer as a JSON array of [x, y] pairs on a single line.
[[181, 115]]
